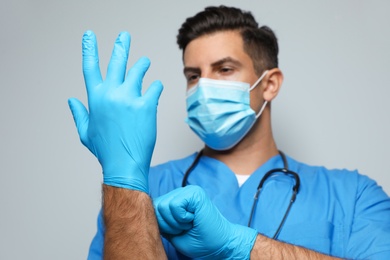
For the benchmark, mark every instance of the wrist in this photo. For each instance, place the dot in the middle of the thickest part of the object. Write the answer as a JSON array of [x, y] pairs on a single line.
[[126, 176], [127, 183], [239, 246], [244, 242]]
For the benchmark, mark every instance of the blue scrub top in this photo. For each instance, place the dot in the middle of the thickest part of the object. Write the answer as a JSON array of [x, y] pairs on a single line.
[[336, 212]]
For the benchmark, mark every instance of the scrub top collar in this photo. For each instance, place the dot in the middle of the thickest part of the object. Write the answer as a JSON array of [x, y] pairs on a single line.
[[217, 171]]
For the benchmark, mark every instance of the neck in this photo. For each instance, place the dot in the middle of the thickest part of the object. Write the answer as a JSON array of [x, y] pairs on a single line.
[[256, 148]]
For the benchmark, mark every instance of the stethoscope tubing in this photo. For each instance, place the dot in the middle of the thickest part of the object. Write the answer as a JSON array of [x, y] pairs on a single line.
[[268, 174]]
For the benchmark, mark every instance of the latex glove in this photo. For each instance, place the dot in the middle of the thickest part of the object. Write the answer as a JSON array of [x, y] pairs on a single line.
[[195, 227], [120, 127]]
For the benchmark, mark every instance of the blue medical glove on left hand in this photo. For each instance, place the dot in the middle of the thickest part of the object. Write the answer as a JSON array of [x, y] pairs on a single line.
[[120, 126], [195, 227]]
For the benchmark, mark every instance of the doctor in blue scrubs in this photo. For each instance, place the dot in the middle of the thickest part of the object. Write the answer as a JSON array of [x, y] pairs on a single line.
[[240, 196]]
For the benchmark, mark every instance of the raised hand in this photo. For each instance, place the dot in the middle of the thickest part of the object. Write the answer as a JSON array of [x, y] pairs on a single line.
[[119, 127]]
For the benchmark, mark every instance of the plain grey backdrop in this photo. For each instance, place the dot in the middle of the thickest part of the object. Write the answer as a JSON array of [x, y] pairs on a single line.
[[333, 108]]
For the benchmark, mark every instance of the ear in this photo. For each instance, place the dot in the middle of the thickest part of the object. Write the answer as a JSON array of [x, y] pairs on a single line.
[[272, 83]]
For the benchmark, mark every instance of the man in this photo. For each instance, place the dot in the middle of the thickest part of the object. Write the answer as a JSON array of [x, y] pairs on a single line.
[[231, 69]]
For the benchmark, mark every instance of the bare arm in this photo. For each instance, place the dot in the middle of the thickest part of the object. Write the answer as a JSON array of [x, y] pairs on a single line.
[[131, 225], [267, 248]]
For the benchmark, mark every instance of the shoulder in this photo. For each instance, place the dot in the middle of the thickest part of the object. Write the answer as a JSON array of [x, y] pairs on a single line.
[[327, 175], [347, 186]]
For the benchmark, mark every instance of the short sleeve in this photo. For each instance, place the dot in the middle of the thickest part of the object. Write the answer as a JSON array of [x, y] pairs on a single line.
[[370, 231], [97, 244]]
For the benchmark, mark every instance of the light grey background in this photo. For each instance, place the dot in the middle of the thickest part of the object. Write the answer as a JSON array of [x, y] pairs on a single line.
[[333, 108]]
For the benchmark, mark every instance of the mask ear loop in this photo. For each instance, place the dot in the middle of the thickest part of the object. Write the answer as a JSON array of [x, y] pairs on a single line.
[[255, 85], [258, 81], [262, 108]]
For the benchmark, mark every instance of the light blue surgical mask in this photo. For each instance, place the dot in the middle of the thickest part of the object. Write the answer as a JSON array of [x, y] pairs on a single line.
[[219, 111]]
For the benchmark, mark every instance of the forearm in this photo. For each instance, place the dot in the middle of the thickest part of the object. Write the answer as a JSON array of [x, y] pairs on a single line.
[[131, 226], [266, 248]]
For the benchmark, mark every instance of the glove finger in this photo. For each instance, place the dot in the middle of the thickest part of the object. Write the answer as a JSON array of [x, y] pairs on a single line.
[[179, 208], [135, 76], [165, 206], [154, 92], [196, 198], [170, 224], [163, 218], [166, 228], [91, 70], [117, 67], [80, 117]]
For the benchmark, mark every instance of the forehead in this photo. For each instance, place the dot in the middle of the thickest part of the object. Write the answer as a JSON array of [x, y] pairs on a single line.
[[209, 48]]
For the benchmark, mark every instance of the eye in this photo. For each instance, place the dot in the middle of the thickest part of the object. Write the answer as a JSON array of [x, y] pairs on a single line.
[[191, 78], [226, 70]]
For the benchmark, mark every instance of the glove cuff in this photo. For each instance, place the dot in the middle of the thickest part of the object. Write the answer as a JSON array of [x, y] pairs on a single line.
[[127, 183], [241, 246]]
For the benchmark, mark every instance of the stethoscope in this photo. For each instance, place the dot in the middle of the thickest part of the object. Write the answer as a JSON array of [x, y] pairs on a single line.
[[284, 170]]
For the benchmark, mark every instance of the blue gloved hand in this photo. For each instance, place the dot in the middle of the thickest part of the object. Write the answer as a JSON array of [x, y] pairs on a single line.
[[120, 127], [195, 227]]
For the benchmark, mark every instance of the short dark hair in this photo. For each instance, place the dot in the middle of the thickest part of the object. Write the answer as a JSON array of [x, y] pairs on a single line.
[[260, 43]]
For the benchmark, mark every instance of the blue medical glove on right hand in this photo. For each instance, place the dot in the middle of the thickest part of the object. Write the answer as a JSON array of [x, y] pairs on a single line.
[[120, 126], [195, 227]]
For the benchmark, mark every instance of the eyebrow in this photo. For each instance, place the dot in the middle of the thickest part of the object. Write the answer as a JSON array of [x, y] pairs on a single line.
[[226, 60], [187, 70], [214, 64]]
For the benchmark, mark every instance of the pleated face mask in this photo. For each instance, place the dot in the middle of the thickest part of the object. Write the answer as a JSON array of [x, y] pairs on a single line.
[[219, 111]]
